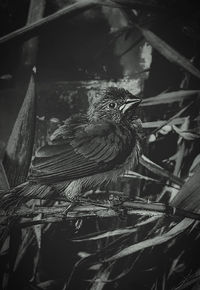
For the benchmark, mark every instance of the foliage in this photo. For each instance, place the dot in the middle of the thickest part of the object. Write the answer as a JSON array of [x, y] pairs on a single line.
[[128, 232]]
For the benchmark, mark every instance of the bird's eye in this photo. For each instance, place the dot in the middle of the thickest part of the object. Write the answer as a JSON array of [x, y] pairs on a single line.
[[112, 105]]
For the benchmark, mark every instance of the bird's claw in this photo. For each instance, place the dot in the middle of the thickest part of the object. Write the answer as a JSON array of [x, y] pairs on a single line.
[[118, 208], [70, 206], [121, 211]]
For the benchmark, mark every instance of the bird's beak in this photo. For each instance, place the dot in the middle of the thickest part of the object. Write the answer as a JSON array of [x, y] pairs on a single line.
[[130, 103]]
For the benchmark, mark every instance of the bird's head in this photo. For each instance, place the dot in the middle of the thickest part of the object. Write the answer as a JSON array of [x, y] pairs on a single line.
[[113, 104]]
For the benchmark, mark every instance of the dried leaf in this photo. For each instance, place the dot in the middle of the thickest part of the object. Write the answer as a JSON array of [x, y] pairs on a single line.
[[169, 53]]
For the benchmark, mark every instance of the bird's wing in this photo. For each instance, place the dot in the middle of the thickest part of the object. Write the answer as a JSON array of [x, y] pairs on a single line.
[[94, 148]]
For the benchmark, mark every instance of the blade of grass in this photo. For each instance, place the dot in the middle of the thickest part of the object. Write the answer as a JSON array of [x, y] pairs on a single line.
[[167, 98], [102, 275], [155, 168], [161, 123], [174, 232], [27, 239], [181, 149], [188, 198], [4, 184], [120, 231], [170, 120]]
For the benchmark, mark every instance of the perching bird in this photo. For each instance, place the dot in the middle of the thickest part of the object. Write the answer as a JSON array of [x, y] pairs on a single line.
[[87, 150]]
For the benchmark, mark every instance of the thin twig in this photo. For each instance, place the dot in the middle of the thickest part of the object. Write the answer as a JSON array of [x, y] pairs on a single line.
[[103, 210]]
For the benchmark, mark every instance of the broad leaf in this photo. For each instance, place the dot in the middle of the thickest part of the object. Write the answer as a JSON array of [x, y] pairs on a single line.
[[20, 144]]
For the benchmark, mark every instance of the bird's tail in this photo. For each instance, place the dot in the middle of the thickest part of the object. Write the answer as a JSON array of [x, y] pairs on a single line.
[[15, 197]]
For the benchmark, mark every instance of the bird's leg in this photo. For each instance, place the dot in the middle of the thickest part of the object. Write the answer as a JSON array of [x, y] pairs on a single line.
[[117, 205]]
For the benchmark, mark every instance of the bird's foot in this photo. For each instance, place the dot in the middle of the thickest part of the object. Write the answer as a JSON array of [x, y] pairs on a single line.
[[70, 206], [117, 205], [121, 211]]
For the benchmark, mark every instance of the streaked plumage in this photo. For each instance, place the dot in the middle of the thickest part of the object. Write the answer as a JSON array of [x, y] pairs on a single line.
[[87, 150]]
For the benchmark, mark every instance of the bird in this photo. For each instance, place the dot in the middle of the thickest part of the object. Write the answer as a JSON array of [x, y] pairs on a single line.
[[88, 150]]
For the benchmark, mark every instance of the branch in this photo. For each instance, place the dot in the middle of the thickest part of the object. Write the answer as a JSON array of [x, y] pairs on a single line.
[[59, 214], [72, 10], [32, 29]]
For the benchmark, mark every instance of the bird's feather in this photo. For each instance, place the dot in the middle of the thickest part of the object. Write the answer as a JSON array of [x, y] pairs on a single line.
[[89, 149], [86, 151]]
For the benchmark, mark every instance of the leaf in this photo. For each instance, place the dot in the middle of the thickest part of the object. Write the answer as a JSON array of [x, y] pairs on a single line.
[[48, 285], [83, 255], [167, 98], [100, 278], [195, 164], [188, 198], [38, 230], [27, 239], [181, 148], [5, 247], [4, 184], [176, 265], [161, 123], [186, 134], [122, 231], [168, 52], [190, 281], [170, 120], [20, 144], [174, 232], [107, 234], [155, 168], [5, 280], [36, 260]]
